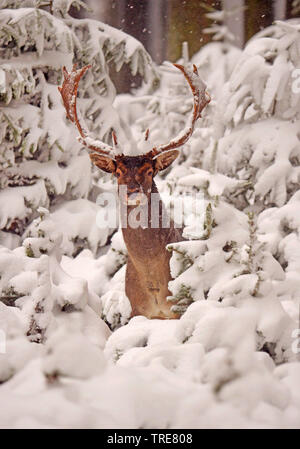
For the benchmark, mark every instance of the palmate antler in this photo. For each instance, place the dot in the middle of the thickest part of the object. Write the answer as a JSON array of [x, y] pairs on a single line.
[[69, 94]]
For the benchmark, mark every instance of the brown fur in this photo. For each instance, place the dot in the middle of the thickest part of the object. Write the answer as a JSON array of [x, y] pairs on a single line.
[[148, 270]]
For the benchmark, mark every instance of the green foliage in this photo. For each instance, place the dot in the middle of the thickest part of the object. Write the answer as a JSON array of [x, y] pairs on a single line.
[[208, 222], [182, 299], [253, 261], [185, 260]]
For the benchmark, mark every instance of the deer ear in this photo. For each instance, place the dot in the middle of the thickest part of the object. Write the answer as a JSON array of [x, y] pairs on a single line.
[[165, 159], [103, 162]]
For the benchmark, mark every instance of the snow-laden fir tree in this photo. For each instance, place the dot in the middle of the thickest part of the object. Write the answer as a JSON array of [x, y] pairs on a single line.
[[257, 118], [45, 175], [257, 129], [221, 53], [228, 264], [41, 163]]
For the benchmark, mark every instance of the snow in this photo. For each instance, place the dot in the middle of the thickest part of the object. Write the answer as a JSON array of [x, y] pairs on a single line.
[[274, 142], [81, 218], [67, 338], [95, 393], [14, 199]]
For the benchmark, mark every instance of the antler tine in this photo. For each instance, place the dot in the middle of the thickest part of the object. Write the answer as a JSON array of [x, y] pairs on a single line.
[[114, 138], [201, 99], [68, 92]]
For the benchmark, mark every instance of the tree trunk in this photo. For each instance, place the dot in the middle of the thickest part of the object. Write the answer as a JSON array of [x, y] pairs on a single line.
[[235, 22], [280, 9], [289, 9], [259, 15], [186, 21]]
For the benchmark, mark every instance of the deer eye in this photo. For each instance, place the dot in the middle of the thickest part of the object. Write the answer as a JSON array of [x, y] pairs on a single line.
[[118, 173], [150, 172]]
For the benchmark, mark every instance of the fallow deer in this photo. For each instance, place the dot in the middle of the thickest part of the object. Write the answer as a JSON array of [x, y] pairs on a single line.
[[148, 271]]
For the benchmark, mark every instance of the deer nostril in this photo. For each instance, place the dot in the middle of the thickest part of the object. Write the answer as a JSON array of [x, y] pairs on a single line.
[[132, 188]]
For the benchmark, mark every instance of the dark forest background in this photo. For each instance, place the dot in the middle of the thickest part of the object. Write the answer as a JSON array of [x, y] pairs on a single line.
[[163, 25]]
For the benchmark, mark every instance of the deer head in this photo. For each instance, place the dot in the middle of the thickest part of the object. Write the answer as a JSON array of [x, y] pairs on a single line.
[[134, 172]]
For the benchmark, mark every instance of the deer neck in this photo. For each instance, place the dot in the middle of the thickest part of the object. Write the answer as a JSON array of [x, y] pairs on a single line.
[[148, 229]]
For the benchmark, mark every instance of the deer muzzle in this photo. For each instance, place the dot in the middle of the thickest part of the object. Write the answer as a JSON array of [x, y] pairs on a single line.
[[135, 198]]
